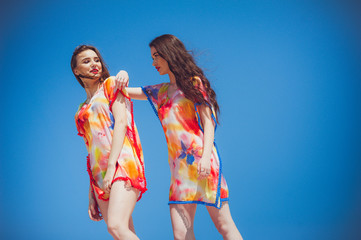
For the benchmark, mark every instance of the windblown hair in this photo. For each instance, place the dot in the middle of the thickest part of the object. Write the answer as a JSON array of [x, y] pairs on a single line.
[[74, 64], [182, 64]]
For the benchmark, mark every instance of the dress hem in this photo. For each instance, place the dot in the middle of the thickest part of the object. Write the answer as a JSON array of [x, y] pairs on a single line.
[[201, 203], [100, 195]]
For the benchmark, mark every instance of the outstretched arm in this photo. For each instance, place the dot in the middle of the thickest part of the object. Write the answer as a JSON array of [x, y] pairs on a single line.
[[136, 93], [122, 80], [204, 165]]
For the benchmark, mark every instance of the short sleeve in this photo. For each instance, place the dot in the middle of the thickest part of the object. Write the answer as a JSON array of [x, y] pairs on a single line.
[[197, 83], [110, 91], [152, 93], [79, 120]]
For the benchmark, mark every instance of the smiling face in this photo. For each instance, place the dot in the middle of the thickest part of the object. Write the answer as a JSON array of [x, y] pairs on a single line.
[[88, 65], [159, 63]]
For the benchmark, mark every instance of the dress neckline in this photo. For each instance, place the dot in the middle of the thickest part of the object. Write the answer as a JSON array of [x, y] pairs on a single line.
[[174, 93], [96, 92]]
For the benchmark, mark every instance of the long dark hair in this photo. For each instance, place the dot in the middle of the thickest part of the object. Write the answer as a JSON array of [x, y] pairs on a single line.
[[182, 65], [73, 63]]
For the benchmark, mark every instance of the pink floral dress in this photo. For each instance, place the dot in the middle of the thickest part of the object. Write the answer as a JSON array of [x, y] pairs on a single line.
[[184, 134], [95, 123]]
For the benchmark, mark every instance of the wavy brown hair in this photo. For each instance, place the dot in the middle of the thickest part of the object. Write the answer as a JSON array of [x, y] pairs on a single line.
[[74, 64], [182, 65]]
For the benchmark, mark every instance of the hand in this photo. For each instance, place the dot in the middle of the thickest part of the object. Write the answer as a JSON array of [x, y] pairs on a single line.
[[93, 210], [204, 168], [122, 79], [108, 178]]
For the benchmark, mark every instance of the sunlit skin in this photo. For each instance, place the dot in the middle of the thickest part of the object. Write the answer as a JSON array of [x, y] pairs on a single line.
[[89, 69], [161, 65]]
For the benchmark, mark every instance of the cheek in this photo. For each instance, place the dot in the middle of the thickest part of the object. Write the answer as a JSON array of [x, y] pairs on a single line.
[[165, 64]]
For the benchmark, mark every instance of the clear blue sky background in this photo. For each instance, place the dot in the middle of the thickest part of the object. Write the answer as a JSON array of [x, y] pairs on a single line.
[[288, 79]]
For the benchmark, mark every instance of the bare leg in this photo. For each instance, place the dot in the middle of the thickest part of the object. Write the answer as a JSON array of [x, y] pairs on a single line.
[[131, 225], [223, 221], [182, 216], [117, 211]]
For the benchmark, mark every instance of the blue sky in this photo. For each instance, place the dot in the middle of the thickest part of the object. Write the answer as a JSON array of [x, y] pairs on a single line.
[[287, 76]]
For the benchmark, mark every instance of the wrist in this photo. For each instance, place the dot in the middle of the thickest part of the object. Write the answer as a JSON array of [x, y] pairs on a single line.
[[206, 157], [111, 166], [91, 197]]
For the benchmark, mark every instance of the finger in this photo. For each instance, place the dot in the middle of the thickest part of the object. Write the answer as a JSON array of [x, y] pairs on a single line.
[[100, 217], [97, 214], [91, 215], [97, 217], [199, 168], [105, 188]]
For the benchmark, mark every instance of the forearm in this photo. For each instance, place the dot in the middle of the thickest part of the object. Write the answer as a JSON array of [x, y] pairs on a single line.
[[120, 128], [208, 128], [208, 139], [136, 93], [90, 192]]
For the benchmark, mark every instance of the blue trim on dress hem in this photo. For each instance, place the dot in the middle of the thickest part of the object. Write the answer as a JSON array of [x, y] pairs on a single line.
[[200, 202]]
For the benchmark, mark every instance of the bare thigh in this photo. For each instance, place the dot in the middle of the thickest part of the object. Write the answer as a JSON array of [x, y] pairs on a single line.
[[121, 199], [220, 215], [182, 216], [223, 221]]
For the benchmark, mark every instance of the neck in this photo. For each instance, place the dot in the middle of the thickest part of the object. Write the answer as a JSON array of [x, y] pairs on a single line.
[[172, 78], [91, 88]]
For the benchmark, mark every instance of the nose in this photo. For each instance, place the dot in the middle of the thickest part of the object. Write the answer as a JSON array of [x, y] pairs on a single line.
[[93, 63], [154, 62]]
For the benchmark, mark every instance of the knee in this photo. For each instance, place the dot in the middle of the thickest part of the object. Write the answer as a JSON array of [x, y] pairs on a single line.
[[113, 228], [223, 228], [182, 234], [116, 229]]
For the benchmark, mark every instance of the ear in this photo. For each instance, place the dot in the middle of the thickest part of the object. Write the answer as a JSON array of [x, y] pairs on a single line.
[[76, 72]]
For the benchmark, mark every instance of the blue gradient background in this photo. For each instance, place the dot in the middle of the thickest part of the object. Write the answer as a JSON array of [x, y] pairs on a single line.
[[287, 75]]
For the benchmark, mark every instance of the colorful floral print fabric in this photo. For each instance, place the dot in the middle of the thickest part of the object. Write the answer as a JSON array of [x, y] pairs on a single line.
[[95, 123], [182, 127]]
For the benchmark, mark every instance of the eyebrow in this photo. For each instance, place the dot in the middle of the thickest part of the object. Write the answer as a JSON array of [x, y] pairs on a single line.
[[86, 58], [155, 53]]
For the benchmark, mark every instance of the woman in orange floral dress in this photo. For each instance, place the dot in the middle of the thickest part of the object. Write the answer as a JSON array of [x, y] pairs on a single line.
[[187, 109], [115, 160]]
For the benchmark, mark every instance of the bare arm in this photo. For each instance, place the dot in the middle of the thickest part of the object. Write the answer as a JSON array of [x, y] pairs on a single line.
[[120, 128], [136, 93], [122, 80], [93, 209], [204, 165]]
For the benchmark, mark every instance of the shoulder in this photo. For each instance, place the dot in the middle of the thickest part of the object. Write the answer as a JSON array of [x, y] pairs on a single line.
[[197, 81], [155, 88], [81, 105], [109, 82]]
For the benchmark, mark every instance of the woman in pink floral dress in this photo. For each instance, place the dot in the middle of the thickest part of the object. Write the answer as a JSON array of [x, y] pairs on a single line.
[[187, 109]]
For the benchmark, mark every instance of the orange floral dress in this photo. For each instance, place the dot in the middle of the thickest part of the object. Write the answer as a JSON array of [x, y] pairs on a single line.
[[184, 134], [95, 123]]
